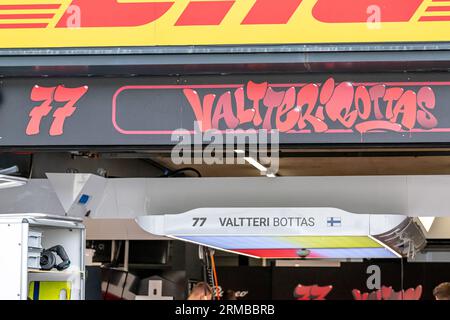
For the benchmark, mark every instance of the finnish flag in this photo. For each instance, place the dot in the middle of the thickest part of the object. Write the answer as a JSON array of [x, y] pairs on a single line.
[[334, 221]]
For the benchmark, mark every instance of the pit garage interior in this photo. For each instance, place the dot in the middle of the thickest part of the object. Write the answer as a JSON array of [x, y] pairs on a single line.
[[126, 257], [108, 179]]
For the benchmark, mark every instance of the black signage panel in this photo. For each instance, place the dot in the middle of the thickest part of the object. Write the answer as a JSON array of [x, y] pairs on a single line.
[[303, 109]]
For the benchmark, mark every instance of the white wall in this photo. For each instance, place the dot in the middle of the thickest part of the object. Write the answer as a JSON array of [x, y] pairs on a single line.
[[407, 195], [128, 198], [36, 196], [132, 197]]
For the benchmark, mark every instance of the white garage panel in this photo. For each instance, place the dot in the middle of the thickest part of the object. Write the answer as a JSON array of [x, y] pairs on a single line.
[[11, 278]]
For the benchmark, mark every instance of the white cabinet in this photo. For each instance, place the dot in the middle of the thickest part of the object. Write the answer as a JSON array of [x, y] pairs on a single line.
[[20, 236]]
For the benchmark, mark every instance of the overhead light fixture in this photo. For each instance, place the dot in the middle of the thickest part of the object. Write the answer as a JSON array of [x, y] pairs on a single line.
[[10, 170], [256, 164], [11, 181]]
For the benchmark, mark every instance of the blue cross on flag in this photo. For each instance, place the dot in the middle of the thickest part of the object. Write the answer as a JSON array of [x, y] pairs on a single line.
[[334, 221]]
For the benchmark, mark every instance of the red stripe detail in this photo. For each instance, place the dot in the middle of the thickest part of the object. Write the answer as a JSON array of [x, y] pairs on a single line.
[[109, 13], [275, 253], [204, 13], [435, 18], [28, 6], [353, 11], [22, 25], [438, 8], [27, 16], [271, 12]]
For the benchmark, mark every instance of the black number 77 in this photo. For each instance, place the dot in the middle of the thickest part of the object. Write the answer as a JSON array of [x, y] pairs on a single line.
[[198, 222]]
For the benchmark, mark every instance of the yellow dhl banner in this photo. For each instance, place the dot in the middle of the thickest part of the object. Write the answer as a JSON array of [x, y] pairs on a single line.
[[116, 23]]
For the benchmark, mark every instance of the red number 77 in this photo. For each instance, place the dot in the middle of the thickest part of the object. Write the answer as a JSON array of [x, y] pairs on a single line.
[[47, 95]]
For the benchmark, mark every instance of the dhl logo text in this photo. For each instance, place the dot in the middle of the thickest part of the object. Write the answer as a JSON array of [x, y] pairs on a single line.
[[46, 23]]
